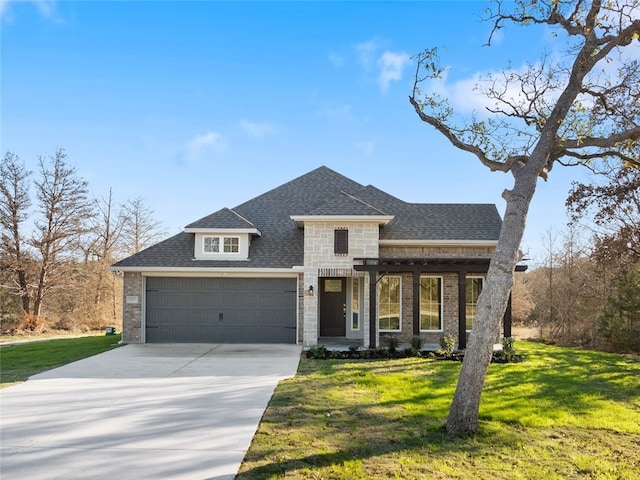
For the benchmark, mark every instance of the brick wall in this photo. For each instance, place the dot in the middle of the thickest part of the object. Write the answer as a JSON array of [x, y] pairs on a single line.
[[450, 289], [436, 252], [132, 308]]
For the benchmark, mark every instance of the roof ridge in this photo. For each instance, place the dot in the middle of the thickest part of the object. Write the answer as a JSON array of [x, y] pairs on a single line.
[[241, 217], [363, 202]]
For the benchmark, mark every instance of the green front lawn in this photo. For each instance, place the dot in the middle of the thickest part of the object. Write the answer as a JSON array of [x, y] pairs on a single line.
[[19, 362], [561, 414]]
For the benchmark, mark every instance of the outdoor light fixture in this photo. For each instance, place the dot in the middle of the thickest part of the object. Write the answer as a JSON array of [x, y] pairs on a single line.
[[311, 290]]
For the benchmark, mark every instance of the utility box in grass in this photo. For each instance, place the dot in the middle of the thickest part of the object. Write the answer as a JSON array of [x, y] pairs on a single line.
[[110, 331]]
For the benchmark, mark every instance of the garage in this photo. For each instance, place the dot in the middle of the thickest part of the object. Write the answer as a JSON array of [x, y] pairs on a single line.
[[220, 310]]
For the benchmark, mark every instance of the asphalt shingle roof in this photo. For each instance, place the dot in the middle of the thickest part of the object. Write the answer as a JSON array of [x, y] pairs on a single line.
[[225, 218], [320, 192]]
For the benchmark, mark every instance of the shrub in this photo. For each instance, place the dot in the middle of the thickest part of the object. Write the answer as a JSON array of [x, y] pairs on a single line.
[[447, 344], [317, 352], [508, 353], [392, 344], [412, 352]]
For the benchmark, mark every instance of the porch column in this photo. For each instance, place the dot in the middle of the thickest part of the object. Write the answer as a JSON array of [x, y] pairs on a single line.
[[373, 314], [462, 310], [507, 319], [416, 303]]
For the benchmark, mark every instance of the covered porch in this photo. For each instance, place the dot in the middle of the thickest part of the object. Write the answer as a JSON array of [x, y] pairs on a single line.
[[377, 268]]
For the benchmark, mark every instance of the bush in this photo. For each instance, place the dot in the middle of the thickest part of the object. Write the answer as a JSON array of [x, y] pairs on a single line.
[[447, 344], [320, 352], [392, 344], [508, 353]]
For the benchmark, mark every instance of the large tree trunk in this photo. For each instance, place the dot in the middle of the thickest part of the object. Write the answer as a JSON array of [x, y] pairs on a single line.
[[463, 414]]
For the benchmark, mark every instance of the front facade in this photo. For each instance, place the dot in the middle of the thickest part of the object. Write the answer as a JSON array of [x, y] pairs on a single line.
[[318, 259]]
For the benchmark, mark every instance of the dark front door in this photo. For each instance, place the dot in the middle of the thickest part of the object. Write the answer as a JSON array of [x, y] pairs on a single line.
[[333, 307]]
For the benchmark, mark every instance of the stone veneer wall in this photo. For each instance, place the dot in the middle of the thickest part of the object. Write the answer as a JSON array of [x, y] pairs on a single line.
[[301, 287], [319, 253], [132, 309]]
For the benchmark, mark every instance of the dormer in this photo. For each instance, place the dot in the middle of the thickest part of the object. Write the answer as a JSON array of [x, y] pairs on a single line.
[[223, 235]]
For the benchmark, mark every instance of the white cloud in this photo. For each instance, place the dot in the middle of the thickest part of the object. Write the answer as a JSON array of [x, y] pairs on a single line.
[[257, 130], [366, 53], [391, 65], [199, 145], [367, 147], [465, 95], [387, 65], [46, 8], [337, 111]]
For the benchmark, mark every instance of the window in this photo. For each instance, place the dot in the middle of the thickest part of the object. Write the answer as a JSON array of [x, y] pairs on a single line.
[[430, 303], [341, 242], [389, 304], [355, 304], [474, 288], [211, 244], [229, 244]]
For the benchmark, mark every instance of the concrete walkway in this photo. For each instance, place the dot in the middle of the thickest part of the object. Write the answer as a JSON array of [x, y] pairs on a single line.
[[185, 411]]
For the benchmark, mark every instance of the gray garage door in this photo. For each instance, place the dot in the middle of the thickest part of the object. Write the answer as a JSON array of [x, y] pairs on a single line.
[[213, 310]]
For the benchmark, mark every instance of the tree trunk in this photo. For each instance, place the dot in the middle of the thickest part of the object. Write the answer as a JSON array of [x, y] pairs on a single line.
[[24, 291], [463, 414]]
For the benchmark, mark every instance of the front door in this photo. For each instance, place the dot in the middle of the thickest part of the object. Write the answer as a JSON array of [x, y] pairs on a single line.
[[333, 307]]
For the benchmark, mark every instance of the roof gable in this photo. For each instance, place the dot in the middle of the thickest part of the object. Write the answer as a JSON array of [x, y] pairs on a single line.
[[222, 219], [345, 204]]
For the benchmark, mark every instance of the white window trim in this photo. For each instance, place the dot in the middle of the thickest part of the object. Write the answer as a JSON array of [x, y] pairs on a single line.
[[204, 244], [356, 281], [399, 330], [221, 245], [470, 277], [224, 243], [441, 329]]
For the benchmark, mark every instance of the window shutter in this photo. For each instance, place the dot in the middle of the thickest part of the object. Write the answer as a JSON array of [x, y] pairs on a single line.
[[341, 241]]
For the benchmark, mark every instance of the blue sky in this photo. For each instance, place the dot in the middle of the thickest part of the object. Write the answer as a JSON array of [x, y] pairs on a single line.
[[195, 106]]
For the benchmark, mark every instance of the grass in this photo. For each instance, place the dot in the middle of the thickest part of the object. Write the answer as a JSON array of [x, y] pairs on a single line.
[[561, 414], [19, 362]]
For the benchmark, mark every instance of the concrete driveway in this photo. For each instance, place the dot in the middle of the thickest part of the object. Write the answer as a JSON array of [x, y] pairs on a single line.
[[185, 411]]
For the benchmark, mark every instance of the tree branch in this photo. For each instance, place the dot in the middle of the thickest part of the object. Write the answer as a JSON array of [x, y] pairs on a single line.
[[456, 142]]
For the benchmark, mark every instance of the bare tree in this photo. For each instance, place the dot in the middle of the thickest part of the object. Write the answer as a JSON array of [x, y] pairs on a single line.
[[101, 250], [14, 210], [140, 229], [64, 208], [583, 109], [614, 208]]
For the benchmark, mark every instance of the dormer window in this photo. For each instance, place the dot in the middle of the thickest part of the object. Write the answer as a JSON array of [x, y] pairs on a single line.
[[212, 244], [231, 244]]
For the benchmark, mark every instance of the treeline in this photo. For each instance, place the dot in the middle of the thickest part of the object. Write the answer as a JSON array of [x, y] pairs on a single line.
[[56, 244], [586, 292]]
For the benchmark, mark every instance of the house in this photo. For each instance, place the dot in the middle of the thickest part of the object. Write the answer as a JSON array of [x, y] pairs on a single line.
[[316, 259]]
